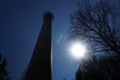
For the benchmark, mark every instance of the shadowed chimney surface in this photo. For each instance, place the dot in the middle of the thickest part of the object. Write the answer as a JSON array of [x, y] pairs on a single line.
[[40, 64]]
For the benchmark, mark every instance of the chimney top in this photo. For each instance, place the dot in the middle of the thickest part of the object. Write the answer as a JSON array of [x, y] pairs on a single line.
[[48, 15]]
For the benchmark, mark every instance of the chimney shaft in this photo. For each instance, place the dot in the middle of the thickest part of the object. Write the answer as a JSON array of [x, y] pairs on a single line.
[[40, 64]]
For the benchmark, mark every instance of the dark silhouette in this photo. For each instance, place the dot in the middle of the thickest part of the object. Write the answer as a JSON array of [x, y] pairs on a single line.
[[3, 71], [23, 75], [98, 23], [99, 69], [40, 64]]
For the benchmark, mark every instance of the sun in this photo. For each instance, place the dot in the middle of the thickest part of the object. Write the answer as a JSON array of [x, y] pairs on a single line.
[[78, 49]]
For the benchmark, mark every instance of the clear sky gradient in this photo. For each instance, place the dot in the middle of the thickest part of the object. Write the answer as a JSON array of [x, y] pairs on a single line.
[[20, 23]]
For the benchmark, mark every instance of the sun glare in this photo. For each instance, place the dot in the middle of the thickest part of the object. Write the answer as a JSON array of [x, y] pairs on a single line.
[[78, 50]]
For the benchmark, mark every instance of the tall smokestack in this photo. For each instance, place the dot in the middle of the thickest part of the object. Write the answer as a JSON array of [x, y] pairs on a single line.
[[40, 64]]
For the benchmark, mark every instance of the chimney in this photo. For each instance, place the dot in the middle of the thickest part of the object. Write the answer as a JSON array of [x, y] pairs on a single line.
[[40, 64]]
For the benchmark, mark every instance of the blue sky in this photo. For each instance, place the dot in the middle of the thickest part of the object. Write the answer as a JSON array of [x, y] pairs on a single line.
[[20, 23]]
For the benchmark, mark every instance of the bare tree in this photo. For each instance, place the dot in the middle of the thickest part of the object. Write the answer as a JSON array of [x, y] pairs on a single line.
[[98, 23], [4, 75], [96, 69]]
